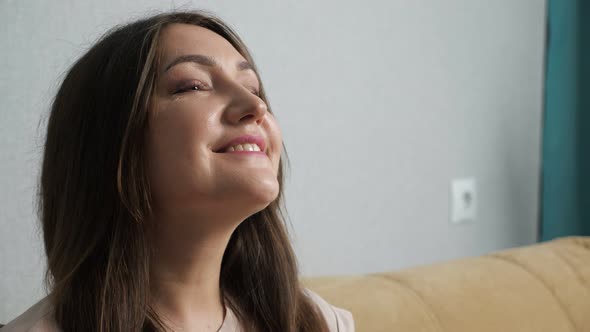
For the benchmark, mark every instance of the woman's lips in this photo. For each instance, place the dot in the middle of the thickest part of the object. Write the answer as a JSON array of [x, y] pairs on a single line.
[[244, 139]]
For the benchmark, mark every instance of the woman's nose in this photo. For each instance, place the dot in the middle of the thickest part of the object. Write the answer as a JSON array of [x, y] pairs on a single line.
[[245, 106]]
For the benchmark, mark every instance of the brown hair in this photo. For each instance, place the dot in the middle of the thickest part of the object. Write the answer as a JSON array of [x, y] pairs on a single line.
[[94, 200]]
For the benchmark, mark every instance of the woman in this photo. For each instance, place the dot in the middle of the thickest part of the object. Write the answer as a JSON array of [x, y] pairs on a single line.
[[160, 192]]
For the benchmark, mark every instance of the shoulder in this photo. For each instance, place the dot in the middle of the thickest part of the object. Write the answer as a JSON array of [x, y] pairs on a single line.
[[338, 319], [38, 318]]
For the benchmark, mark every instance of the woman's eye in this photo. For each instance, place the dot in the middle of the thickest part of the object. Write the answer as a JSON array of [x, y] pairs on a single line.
[[198, 86], [194, 86], [254, 89]]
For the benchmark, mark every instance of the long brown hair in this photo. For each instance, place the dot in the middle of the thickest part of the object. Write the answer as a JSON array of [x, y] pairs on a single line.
[[94, 200]]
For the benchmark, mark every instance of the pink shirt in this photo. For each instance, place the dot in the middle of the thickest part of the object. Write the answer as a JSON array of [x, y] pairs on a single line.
[[38, 318]]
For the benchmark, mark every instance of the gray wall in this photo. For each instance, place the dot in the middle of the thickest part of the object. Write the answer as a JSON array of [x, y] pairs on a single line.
[[381, 104]]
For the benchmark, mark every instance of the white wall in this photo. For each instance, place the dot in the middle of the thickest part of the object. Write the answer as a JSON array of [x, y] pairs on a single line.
[[381, 104]]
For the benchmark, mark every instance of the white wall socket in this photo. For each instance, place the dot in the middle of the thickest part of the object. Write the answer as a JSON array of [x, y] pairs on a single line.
[[463, 200]]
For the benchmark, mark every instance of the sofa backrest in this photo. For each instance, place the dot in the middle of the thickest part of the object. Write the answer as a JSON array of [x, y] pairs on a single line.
[[542, 287]]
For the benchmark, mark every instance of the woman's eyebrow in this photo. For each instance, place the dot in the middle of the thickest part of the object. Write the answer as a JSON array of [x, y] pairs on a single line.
[[206, 61]]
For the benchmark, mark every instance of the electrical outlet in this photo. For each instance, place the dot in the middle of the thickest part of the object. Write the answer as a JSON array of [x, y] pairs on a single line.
[[463, 200]]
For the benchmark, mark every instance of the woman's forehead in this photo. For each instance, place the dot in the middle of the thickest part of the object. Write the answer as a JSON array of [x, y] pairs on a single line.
[[186, 39]]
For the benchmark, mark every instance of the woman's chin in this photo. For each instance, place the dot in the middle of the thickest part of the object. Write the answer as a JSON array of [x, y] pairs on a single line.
[[253, 199], [264, 193]]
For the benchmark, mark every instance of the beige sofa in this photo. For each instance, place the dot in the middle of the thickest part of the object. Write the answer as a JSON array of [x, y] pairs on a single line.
[[539, 288]]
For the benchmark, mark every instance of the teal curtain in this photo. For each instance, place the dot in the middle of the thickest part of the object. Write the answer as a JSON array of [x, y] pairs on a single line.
[[565, 208]]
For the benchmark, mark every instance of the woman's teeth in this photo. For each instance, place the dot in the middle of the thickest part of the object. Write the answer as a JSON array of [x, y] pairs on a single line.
[[243, 147]]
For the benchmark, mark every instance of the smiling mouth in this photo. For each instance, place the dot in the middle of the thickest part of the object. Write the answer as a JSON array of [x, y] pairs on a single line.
[[245, 147], [244, 144], [242, 149]]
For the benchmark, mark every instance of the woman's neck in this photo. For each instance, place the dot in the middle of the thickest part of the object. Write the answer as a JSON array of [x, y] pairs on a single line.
[[185, 272]]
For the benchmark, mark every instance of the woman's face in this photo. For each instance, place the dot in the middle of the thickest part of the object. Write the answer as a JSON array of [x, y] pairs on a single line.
[[205, 99]]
